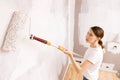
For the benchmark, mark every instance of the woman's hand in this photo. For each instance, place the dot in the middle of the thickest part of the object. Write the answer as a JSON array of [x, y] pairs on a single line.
[[64, 50], [67, 52]]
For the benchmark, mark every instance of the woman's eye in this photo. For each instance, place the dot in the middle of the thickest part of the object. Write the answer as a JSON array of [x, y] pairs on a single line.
[[90, 34]]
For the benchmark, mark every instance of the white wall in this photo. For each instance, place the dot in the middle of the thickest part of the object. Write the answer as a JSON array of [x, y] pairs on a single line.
[[34, 60]]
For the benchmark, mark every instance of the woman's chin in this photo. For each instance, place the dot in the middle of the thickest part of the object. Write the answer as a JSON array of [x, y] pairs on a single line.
[[87, 41]]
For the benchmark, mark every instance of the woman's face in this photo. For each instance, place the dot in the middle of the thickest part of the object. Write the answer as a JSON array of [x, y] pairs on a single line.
[[91, 37]]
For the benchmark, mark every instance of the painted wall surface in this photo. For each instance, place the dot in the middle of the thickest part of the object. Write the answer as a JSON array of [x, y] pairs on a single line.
[[103, 13], [50, 20]]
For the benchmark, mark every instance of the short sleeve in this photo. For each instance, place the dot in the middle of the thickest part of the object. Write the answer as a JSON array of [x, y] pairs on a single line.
[[94, 57]]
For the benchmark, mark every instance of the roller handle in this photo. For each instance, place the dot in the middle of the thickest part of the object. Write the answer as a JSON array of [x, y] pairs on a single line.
[[40, 40], [61, 48]]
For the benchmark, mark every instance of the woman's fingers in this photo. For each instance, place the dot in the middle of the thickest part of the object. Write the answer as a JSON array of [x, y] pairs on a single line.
[[61, 48], [66, 51]]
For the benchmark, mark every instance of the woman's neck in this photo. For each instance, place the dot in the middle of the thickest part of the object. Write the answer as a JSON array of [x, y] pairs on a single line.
[[95, 45]]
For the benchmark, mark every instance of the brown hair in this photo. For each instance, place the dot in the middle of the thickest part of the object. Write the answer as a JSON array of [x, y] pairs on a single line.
[[99, 32]]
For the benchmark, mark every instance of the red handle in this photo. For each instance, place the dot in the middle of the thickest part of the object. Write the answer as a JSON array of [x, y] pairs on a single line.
[[40, 40]]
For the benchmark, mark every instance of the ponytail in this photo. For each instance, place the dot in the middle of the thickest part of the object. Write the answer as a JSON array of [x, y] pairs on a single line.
[[101, 44]]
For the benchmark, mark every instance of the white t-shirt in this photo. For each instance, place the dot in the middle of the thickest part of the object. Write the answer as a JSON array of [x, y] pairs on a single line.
[[94, 55]]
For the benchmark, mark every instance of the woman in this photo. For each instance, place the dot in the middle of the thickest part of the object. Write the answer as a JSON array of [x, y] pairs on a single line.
[[93, 56]]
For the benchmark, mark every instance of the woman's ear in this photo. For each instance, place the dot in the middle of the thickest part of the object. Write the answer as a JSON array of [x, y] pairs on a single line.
[[98, 38]]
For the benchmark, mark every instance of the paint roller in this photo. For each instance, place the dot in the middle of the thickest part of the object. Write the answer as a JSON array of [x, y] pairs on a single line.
[[50, 44], [46, 42]]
